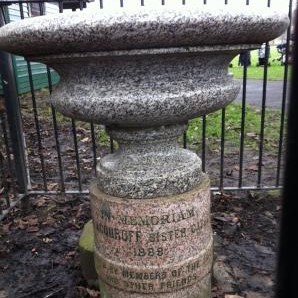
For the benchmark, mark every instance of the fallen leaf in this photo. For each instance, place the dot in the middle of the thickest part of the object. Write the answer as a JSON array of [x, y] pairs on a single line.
[[34, 250], [39, 202], [229, 172], [4, 229], [269, 214], [52, 186], [3, 294], [20, 224], [254, 168], [32, 229], [251, 134], [93, 293], [31, 220], [233, 296], [85, 140]]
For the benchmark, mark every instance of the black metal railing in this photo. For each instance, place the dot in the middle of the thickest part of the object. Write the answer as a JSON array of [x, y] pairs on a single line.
[[46, 153]]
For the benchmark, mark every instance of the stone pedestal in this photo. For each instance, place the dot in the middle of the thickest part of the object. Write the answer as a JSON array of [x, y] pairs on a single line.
[[159, 247], [151, 214], [144, 74]]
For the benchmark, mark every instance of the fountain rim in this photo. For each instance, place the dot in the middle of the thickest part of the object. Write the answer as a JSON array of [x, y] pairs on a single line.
[[64, 57], [97, 32]]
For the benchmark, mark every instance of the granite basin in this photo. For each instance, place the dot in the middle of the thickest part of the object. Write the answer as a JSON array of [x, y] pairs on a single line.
[[142, 67]]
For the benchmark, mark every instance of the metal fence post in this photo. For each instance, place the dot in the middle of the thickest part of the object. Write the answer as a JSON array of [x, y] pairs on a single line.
[[13, 117], [286, 285]]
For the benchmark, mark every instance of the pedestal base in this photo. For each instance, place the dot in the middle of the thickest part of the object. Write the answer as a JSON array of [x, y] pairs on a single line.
[[159, 247], [200, 290]]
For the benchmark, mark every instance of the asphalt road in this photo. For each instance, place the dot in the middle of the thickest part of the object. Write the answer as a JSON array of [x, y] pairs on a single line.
[[254, 93]]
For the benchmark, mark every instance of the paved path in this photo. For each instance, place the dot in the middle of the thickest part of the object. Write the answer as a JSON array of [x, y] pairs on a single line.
[[254, 91]]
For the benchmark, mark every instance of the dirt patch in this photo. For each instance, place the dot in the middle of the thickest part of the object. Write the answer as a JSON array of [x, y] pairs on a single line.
[[39, 255]]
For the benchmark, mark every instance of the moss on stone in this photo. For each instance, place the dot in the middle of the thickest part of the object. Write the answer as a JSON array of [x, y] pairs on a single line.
[[87, 237], [86, 246]]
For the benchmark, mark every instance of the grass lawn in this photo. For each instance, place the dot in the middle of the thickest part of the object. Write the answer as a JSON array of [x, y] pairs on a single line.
[[275, 71], [233, 128]]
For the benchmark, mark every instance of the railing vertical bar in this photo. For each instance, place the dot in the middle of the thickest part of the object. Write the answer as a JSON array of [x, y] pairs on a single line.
[[14, 117], [93, 146], [284, 97], [204, 143], [75, 140], [111, 145], [7, 149], [162, 2], [263, 115], [121, 3], [57, 141], [3, 173], [81, 3], [21, 11], [185, 140], [222, 148], [183, 2], [4, 183], [101, 4], [60, 6], [55, 125], [242, 132], [41, 8], [34, 105], [286, 279], [142, 3], [37, 126]]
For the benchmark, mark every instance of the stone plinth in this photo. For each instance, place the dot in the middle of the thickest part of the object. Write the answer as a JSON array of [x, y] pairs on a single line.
[[144, 74], [153, 246]]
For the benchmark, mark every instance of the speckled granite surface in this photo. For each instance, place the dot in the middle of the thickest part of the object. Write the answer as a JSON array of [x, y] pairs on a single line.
[[148, 164], [102, 30], [145, 89]]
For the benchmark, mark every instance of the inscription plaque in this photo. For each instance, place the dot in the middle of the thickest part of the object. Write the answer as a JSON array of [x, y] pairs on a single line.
[[140, 245]]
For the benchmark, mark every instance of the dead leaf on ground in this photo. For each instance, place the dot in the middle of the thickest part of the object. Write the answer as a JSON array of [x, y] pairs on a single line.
[[32, 229], [3, 294], [253, 168], [221, 216], [4, 229], [47, 240], [86, 291], [39, 202], [251, 134], [87, 139], [52, 186], [233, 296], [93, 293]]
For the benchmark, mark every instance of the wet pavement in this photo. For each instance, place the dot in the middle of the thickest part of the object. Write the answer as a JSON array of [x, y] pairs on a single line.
[[254, 93]]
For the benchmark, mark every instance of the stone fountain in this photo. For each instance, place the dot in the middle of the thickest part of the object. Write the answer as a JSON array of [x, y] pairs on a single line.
[[143, 74]]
